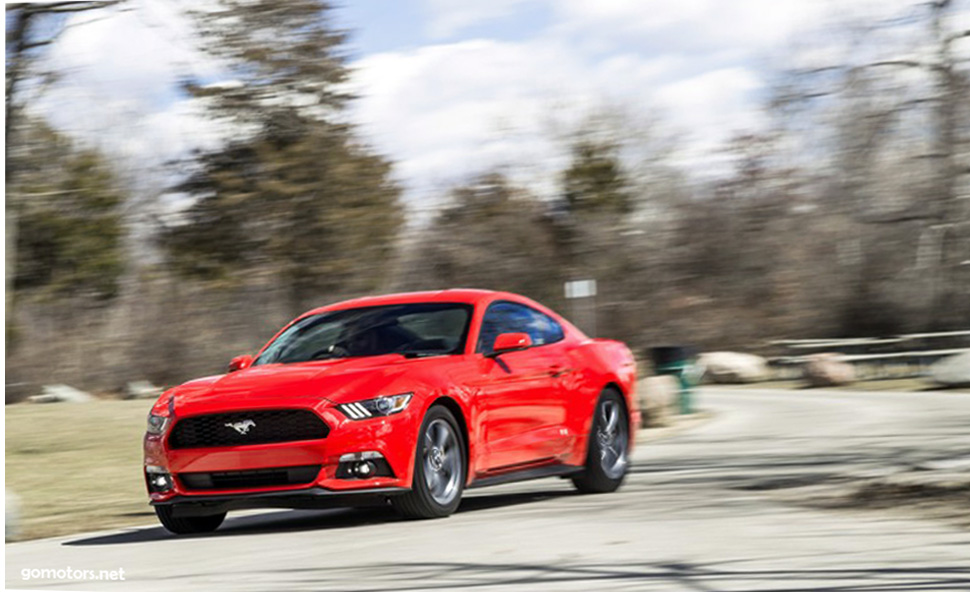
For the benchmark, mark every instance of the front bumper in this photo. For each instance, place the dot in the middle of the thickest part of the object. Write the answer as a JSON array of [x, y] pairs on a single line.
[[313, 498], [393, 437]]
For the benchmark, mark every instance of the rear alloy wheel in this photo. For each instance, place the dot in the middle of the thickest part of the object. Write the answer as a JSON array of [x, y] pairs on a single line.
[[607, 460], [439, 469], [188, 524]]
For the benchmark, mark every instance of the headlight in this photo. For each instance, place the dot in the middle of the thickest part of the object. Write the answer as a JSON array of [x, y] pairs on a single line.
[[379, 407], [157, 424]]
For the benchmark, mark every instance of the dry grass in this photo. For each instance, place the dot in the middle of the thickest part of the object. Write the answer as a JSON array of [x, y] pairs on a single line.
[[77, 467]]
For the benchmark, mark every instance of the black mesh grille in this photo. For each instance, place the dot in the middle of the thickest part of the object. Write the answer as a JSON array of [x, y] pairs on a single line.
[[250, 479], [260, 427]]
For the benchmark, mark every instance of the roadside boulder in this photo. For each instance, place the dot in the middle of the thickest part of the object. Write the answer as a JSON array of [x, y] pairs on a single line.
[[657, 396], [952, 370], [142, 389], [732, 367], [61, 393], [827, 369]]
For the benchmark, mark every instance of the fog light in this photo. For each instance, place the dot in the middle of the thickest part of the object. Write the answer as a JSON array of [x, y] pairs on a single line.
[[363, 465], [159, 480], [364, 469]]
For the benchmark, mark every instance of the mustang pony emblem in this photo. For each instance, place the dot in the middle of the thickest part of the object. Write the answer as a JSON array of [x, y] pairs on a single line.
[[243, 426]]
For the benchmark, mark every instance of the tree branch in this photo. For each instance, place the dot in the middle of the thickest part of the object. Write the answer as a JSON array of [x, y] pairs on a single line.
[[67, 7], [817, 70], [18, 34], [900, 63], [907, 215]]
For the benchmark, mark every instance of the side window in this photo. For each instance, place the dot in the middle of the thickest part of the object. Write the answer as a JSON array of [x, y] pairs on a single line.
[[499, 318], [551, 330], [511, 317]]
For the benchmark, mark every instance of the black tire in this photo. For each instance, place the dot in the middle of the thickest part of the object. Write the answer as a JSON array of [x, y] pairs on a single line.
[[421, 502], [188, 524], [599, 475]]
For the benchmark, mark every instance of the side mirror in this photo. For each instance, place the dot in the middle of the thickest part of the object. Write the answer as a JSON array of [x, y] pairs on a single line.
[[510, 342], [240, 363]]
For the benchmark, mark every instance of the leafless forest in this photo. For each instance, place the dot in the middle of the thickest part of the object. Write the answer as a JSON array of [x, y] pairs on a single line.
[[848, 216]]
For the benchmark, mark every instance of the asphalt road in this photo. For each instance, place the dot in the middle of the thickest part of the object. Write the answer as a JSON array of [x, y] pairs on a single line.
[[699, 512]]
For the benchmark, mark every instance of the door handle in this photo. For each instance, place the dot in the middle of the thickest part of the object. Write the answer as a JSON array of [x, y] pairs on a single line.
[[557, 371]]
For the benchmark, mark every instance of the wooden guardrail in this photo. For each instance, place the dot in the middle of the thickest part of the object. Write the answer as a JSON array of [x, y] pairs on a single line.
[[900, 356]]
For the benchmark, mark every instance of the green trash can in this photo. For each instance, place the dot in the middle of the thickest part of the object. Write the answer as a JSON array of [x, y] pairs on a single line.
[[677, 361]]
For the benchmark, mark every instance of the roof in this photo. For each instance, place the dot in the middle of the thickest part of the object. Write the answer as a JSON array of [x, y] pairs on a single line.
[[460, 295]]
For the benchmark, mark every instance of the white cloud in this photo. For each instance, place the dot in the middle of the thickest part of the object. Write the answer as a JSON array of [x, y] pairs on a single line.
[[450, 111], [447, 111], [713, 100], [120, 70], [691, 24], [449, 17]]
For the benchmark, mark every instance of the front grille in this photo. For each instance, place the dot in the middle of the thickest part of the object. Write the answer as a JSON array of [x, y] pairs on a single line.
[[250, 479], [255, 427]]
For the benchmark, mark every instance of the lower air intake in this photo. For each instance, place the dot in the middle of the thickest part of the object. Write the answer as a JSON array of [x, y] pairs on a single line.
[[274, 477]]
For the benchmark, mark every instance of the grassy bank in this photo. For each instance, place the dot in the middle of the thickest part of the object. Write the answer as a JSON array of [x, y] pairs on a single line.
[[77, 467]]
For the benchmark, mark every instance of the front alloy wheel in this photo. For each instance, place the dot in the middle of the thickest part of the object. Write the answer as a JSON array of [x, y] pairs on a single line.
[[607, 459], [439, 469]]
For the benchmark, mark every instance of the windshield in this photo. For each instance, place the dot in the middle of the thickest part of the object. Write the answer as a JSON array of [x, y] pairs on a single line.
[[412, 330]]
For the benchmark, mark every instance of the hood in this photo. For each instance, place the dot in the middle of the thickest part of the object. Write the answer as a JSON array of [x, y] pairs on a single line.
[[313, 382]]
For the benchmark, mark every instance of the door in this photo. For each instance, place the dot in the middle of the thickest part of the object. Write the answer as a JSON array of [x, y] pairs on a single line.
[[523, 408]]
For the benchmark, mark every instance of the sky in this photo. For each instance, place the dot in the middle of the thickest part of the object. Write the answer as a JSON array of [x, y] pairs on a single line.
[[454, 88]]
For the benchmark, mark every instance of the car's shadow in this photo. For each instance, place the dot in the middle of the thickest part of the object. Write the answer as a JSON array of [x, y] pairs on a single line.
[[300, 520]]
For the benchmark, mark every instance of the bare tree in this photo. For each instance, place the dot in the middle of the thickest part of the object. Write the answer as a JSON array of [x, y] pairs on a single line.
[[896, 114], [27, 38]]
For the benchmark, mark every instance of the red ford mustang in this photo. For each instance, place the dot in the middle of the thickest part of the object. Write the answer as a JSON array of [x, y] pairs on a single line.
[[408, 398]]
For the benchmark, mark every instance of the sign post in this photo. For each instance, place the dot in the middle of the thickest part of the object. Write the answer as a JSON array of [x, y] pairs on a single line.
[[582, 298]]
